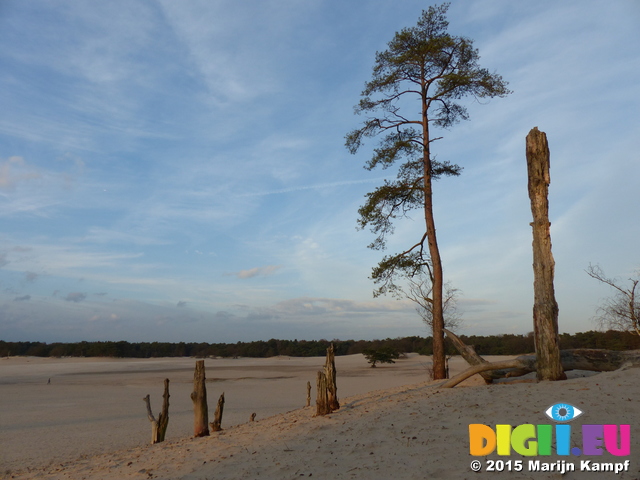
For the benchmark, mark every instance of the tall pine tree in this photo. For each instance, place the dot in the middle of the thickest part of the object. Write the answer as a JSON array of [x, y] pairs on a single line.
[[423, 64]]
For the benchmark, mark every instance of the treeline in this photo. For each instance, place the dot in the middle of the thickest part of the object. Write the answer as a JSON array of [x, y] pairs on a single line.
[[484, 345]]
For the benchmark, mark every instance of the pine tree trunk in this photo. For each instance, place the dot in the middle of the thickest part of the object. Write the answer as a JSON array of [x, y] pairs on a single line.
[[545, 308], [199, 399], [439, 367]]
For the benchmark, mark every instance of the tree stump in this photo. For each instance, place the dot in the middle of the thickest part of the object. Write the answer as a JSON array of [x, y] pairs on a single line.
[[216, 425], [545, 308], [327, 395], [199, 399], [330, 372], [159, 426], [322, 397]]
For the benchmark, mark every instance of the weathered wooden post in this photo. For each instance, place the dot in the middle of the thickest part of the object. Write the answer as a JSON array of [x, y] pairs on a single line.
[[322, 396], [330, 372], [327, 394], [216, 425], [545, 308], [199, 399], [308, 394], [159, 426]]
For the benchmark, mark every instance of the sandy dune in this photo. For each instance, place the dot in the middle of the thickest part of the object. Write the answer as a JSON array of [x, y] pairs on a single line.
[[90, 422]]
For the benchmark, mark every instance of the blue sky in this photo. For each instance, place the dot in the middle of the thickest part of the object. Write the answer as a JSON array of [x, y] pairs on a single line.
[[176, 171]]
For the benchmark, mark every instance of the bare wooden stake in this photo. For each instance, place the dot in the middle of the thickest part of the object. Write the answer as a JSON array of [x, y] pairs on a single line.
[[216, 425], [199, 399], [322, 397], [545, 308], [308, 394], [163, 418], [159, 427], [330, 372]]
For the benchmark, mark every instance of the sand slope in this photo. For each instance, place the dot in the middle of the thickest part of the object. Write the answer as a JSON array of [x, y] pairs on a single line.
[[407, 432]]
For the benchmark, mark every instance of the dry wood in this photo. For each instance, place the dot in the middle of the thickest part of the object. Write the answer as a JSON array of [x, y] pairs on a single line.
[[216, 425], [330, 372], [545, 308], [252, 418], [199, 399], [308, 394], [159, 426], [591, 359], [322, 397]]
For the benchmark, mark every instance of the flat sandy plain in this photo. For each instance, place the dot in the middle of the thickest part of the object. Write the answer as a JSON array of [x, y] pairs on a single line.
[[90, 421]]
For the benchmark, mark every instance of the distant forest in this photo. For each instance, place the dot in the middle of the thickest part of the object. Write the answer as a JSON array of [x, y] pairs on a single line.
[[485, 345]]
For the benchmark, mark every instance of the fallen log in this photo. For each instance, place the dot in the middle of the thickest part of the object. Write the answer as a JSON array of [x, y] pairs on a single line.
[[591, 359]]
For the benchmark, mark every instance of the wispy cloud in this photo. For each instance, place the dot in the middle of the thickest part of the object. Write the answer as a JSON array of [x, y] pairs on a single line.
[[319, 186], [15, 170], [256, 272], [23, 298]]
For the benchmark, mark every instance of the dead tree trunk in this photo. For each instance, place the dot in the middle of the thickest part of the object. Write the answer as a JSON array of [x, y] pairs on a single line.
[[471, 357], [216, 425], [322, 397], [199, 399], [545, 308], [163, 418], [330, 372], [159, 427], [591, 359]]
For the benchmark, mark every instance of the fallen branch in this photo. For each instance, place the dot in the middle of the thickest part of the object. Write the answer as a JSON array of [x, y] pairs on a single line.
[[591, 359]]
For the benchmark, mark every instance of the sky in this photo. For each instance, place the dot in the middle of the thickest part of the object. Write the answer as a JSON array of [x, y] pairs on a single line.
[[176, 171]]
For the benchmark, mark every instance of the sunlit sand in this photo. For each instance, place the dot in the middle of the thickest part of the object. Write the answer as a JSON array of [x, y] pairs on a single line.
[[90, 420]]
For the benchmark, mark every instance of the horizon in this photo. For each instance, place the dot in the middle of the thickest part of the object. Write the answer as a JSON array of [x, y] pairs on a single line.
[[178, 171]]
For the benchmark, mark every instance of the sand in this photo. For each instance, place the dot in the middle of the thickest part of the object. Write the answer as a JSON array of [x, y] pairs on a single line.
[[90, 421]]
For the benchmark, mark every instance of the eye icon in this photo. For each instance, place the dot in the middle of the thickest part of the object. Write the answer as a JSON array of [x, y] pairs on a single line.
[[563, 412]]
